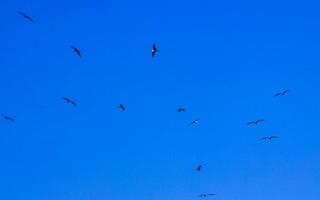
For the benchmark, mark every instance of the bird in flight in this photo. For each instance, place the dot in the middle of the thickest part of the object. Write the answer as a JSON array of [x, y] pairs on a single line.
[[282, 93], [194, 122], [67, 100], [6, 117], [181, 109], [269, 138], [76, 50], [199, 168], [26, 16], [255, 122], [206, 195], [154, 50], [122, 107]]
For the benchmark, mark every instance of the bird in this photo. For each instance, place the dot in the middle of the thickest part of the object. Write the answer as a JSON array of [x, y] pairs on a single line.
[[6, 117], [282, 93], [206, 195], [122, 107], [76, 50], [154, 50], [26, 16], [269, 138], [255, 122], [67, 100], [199, 168], [181, 109], [194, 122]]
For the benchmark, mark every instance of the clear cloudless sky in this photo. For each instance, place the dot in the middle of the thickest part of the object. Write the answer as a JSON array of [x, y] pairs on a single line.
[[222, 60]]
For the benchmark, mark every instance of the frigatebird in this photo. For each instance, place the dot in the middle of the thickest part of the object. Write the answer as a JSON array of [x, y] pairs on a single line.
[[76, 50], [68, 100], [206, 195], [199, 168], [6, 117], [26, 16], [282, 93], [194, 122], [122, 107], [269, 137], [181, 109], [255, 122], [154, 50]]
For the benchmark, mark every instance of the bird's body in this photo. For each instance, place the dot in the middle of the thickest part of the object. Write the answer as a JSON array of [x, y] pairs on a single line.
[[122, 107], [194, 122], [206, 195], [26, 16], [69, 101], [266, 138], [199, 168], [76, 50], [282, 93], [6, 117], [255, 122], [181, 109], [154, 50]]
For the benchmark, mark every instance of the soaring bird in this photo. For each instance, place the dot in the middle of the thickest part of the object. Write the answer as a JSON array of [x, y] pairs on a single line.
[[282, 93], [67, 100], [255, 122], [122, 107], [199, 168], [194, 122], [154, 50], [6, 117], [76, 50], [181, 109], [269, 137], [26, 16], [206, 195]]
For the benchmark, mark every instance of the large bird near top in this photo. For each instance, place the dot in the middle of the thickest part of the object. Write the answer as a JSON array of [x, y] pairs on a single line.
[[181, 109], [154, 50], [122, 107], [199, 168], [6, 117], [76, 50], [26, 16], [69, 101]]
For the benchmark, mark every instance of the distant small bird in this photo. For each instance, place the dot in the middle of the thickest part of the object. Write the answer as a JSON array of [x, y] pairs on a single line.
[[181, 109], [122, 107], [199, 168], [154, 50], [269, 137], [76, 50], [255, 122], [206, 195], [67, 100], [194, 122], [26, 16], [282, 93], [6, 117]]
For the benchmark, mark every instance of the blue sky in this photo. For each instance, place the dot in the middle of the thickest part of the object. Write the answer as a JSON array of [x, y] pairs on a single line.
[[222, 60]]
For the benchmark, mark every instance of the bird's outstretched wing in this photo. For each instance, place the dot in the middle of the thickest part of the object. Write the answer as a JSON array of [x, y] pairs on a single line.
[[25, 16]]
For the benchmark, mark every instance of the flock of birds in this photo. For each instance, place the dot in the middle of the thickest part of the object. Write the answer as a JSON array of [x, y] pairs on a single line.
[[122, 107]]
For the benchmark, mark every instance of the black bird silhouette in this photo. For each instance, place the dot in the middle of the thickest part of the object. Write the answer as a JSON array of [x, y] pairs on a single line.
[[6, 117], [181, 109], [255, 122], [199, 168], [282, 93], [26, 16], [206, 195], [76, 50], [154, 50], [269, 137], [122, 107], [194, 122], [67, 100]]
